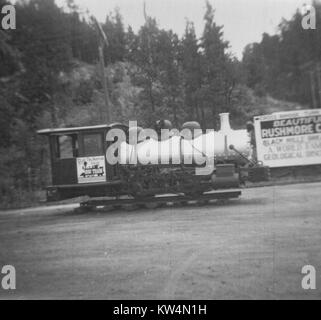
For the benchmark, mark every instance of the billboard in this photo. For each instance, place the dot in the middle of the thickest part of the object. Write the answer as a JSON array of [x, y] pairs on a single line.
[[291, 138], [91, 169]]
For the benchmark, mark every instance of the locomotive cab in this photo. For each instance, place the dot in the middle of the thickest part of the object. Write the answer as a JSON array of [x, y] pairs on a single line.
[[78, 162]]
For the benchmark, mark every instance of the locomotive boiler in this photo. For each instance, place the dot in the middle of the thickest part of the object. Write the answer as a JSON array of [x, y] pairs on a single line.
[[114, 160], [190, 144]]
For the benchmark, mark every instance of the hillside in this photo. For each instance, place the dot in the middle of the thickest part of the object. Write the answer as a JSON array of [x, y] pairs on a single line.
[[245, 104]]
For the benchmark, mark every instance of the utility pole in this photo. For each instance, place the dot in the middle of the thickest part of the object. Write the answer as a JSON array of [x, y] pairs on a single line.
[[318, 71], [311, 67], [313, 92], [150, 61], [150, 64], [102, 42]]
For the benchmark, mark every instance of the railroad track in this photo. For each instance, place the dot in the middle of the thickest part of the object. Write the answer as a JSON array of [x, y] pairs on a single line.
[[156, 201]]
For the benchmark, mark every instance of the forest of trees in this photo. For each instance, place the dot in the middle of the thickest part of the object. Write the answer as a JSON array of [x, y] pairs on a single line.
[[282, 65], [151, 74]]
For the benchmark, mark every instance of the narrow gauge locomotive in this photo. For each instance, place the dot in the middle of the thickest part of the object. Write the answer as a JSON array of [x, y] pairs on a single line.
[[79, 165]]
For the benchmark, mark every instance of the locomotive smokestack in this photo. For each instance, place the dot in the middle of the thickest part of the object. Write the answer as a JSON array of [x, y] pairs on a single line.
[[225, 122]]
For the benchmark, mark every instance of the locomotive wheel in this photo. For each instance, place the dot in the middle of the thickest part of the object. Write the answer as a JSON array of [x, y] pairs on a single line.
[[138, 191]]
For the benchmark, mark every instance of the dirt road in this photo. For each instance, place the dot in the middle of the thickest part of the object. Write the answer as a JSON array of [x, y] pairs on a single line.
[[251, 248]]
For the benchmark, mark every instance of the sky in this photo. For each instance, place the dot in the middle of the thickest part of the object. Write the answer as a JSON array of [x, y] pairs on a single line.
[[244, 21]]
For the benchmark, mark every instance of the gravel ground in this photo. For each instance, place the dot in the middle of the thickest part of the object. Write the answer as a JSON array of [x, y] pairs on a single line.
[[250, 248]]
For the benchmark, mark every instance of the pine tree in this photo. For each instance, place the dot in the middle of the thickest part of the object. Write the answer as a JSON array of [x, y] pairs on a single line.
[[45, 43], [192, 74], [287, 66], [116, 35], [214, 67], [145, 58], [170, 76]]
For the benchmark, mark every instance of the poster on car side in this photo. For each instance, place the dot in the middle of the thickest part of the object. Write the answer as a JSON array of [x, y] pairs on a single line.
[[91, 169], [291, 138]]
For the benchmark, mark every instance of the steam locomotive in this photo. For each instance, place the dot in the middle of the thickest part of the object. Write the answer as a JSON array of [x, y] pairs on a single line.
[[116, 159]]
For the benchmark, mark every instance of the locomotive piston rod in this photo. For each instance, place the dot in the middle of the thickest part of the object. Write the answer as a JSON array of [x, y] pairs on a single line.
[[231, 147]]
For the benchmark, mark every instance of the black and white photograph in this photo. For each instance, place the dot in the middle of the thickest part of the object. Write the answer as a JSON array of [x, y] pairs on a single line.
[[160, 150]]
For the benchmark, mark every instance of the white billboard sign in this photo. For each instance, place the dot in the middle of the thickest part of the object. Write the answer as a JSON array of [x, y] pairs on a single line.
[[291, 138]]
